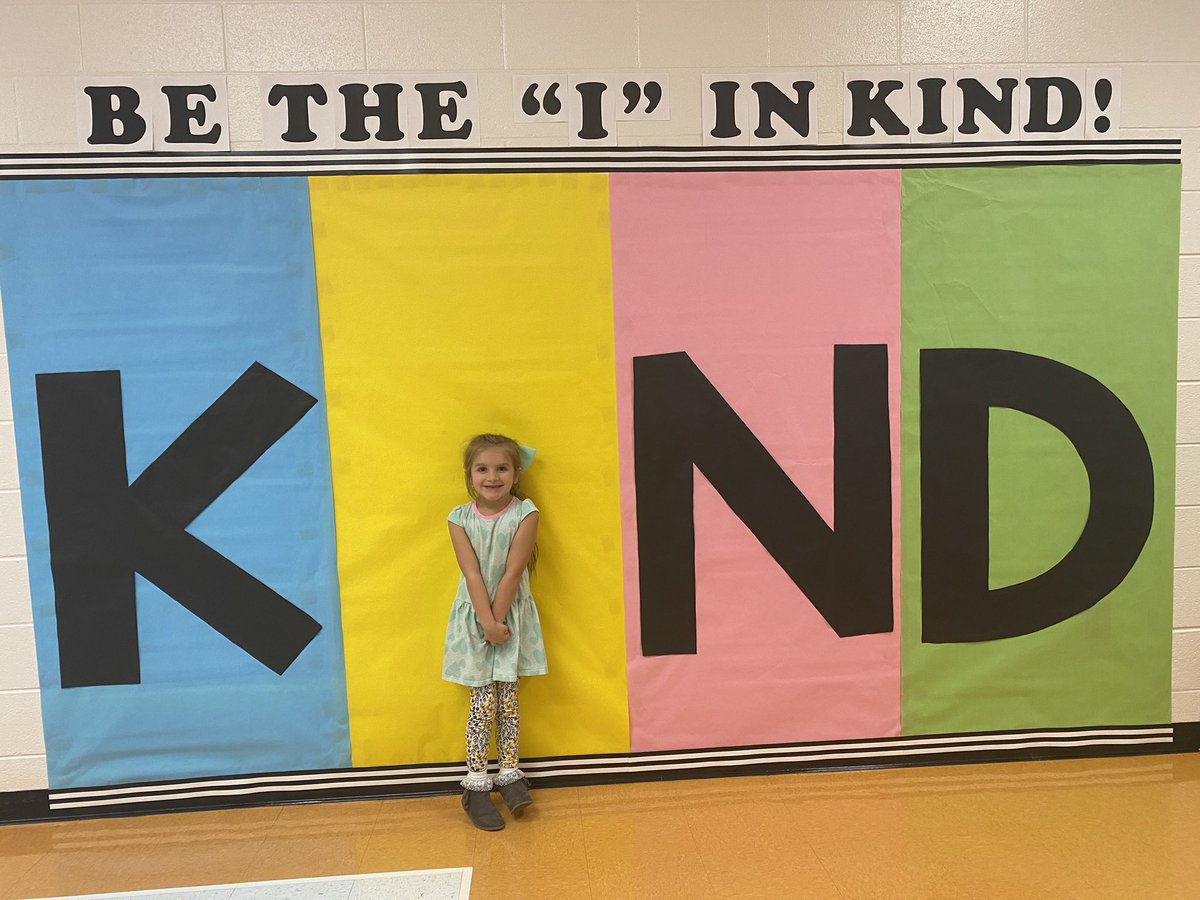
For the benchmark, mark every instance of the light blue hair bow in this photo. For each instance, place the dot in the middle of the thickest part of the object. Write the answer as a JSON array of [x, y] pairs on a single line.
[[527, 455]]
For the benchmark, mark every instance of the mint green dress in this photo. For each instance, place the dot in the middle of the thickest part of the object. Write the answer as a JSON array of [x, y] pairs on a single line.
[[468, 658]]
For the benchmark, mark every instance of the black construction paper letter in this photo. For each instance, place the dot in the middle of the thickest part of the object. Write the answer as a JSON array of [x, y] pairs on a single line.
[[958, 388], [103, 530], [681, 420]]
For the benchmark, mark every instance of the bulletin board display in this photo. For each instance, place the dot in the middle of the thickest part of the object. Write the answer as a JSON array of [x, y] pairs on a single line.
[[831, 455]]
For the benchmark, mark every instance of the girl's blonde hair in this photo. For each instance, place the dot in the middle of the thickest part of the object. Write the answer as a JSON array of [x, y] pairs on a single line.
[[513, 451]]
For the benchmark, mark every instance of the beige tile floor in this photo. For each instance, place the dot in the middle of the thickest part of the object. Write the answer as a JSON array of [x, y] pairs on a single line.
[[1123, 828]]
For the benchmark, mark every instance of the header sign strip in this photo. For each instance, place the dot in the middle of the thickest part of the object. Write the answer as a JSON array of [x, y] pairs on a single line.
[[442, 110]]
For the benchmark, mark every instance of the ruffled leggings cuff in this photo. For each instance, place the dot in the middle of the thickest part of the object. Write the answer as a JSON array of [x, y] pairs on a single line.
[[477, 782], [508, 777]]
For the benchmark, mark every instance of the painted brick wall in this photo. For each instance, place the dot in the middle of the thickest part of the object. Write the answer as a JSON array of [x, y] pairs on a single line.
[[44, 46]]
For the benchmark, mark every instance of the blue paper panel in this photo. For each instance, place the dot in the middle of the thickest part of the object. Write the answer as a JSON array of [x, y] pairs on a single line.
[[182, 285]]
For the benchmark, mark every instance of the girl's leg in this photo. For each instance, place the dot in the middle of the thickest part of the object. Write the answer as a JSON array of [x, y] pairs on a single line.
[[508, 731], [479, 733], [511, 782]]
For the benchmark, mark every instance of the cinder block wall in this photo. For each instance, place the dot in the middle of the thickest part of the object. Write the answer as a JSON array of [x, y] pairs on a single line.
[[45, 46]]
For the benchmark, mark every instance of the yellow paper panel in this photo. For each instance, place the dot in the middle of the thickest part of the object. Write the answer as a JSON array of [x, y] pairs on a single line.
[[452, 305]]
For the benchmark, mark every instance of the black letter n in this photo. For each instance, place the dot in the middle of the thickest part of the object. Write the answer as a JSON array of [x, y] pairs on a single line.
[[103, 529], [681, 420]]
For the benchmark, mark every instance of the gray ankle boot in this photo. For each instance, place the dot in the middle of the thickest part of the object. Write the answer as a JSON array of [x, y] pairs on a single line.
[[482, 811], [516, 795]]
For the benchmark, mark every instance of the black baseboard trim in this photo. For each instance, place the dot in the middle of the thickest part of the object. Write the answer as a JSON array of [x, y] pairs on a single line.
[[24, 806], [226, 792]]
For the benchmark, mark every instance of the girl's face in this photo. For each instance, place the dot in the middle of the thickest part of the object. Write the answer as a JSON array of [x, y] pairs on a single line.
[[493, 474]]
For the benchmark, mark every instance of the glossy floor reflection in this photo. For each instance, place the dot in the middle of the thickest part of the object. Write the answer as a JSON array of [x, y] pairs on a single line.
[[1116, 828]]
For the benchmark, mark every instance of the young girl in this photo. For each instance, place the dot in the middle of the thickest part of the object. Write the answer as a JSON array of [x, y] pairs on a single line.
[[494, 634]]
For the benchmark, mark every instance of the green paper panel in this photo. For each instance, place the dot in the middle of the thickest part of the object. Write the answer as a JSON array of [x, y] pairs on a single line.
[[1080, 265]]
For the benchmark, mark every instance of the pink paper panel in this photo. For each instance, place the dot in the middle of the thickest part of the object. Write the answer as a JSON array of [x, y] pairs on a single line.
[[756, 276]]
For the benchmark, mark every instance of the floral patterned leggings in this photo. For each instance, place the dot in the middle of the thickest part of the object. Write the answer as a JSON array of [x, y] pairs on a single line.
[[493, 703]]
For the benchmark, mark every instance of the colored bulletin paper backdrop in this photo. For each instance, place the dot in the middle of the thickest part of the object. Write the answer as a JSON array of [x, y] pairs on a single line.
[[757, 276], [181, 285], [418, 310], [1079, 265], [451, 306]]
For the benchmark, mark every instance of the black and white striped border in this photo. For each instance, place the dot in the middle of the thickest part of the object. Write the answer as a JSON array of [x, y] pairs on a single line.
[[582, 159], [401, 781]]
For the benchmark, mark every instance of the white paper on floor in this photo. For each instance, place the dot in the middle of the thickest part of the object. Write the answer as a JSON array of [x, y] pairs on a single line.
[[426, 884]]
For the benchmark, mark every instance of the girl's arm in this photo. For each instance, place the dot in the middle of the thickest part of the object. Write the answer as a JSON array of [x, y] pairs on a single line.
[[494, 629], [519, 552]]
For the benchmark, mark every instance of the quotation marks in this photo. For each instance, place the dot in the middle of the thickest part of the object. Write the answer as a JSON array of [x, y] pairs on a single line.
[[634, 92], [1104, 92], [549, 102], [591, 104]]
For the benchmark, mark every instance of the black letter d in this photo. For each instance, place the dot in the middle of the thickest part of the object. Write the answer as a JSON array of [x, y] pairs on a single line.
[[958, 388]]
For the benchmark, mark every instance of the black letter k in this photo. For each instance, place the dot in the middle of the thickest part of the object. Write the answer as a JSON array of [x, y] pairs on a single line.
[[103, 529]]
